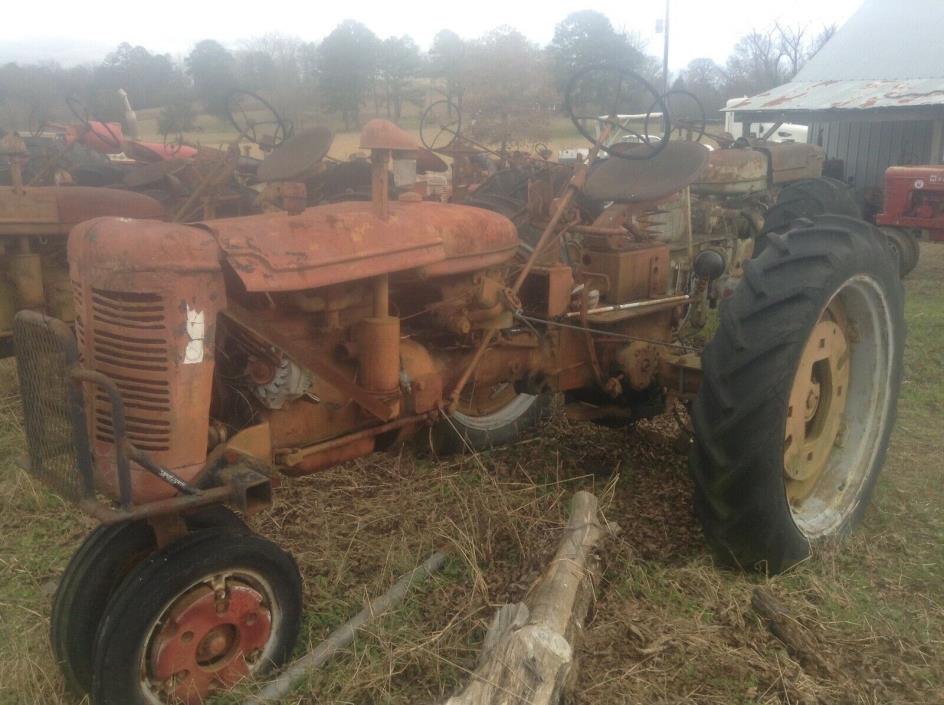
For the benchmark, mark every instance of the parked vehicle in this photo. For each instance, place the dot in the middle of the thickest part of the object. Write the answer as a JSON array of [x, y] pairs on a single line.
[[208, 358]]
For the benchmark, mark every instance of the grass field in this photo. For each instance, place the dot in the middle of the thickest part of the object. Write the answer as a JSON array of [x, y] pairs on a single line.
[[669, 627]]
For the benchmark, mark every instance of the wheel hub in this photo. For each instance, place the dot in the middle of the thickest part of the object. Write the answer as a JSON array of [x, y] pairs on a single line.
[[484, 400], [812, 401], [817, 404], [210, 639]]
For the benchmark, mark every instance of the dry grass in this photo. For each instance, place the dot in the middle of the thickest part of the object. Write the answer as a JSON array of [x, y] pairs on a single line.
[[668, 626]]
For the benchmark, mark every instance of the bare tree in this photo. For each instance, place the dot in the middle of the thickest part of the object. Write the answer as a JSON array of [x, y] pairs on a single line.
[[705, 80], [509, 94], [755, 65], [819, 41], [793, 47]]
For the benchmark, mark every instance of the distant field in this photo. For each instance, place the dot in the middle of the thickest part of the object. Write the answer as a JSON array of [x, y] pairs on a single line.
[[215, 132]]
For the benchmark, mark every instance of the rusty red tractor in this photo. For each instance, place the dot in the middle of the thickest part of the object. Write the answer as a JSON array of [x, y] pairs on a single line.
[[913, 204], [208, 358]]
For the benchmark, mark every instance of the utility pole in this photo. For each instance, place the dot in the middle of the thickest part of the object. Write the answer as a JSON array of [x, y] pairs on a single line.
[[665, 50]]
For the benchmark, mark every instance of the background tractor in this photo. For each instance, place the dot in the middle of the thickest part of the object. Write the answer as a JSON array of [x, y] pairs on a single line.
[[58, 175], [208, 358], [914, 204]]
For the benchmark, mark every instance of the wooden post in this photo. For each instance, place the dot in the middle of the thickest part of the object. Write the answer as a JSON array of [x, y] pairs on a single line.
[[528, 653]]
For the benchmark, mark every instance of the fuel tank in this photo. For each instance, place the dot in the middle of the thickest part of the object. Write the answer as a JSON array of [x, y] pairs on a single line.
[[343, 242], [733, 171]]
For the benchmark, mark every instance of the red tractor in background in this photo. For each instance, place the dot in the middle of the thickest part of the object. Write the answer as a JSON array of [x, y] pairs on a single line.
[[914, 202]]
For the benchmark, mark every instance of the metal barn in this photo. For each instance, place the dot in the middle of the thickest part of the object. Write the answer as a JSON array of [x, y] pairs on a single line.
[[873, 97]]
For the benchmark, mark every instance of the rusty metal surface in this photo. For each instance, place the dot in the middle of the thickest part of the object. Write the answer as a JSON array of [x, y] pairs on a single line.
[[296, 157], [473, 238], [791, 161], [52, 210], [147, 294], [302, 352], [428, 161], [104, 137], [322, 460], [343, 242], [383, 134], [155, 151], [152, 173], [629, 181], [636, 273], [733, 171], [815, 96]]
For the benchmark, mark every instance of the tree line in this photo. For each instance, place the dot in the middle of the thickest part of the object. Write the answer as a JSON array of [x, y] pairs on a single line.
[[500, 77]]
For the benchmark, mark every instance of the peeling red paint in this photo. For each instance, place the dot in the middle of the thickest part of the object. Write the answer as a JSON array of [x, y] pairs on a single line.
[[847, 95]]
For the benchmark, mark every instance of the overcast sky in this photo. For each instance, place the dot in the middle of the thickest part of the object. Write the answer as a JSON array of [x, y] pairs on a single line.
[[76, 32]]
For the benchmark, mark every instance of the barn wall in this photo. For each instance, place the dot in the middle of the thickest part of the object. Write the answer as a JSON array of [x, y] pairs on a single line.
[[868, 148]]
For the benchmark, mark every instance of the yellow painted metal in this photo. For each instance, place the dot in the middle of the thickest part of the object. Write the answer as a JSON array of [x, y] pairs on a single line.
[[817, 404]]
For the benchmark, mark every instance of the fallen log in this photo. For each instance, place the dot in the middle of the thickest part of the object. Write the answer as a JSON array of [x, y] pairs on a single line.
[[528, 652], [344, 635]]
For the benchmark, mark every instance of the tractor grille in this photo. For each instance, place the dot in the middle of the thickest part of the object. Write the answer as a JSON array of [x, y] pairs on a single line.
[[53, 414], [79, 306], [129, 335]]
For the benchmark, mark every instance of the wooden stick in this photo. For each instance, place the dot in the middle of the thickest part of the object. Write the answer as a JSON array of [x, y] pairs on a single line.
[[528, 652], [794, 636], [344, 635]]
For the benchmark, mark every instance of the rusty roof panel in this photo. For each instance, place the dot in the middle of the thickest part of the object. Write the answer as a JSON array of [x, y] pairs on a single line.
[[808, 96]]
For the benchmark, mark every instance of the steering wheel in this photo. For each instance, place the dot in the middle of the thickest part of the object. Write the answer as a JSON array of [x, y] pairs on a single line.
[[440, 125], [85, 117], [542, 150], [694, 125], [609, 87], [238, 114]]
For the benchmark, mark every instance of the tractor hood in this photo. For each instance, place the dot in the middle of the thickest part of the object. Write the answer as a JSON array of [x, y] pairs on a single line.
[[342, 242], [54, 210]]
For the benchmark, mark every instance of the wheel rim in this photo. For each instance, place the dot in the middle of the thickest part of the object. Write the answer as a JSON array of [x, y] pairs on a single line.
[[487, 408], [838, 408], [216, 632]]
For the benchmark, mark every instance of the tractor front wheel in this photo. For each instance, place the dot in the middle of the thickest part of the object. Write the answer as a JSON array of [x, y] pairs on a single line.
[[194, 619], [799, 394], [103, 561]]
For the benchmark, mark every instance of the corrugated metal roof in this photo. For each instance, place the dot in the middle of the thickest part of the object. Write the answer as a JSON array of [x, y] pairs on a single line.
[[811, 96], [884, 39], [887, 55]]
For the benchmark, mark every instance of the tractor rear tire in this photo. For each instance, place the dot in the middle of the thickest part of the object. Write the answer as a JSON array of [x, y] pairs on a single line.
[[805, 199], [906, 249], [829, 284], [465, 431], [93, 574]]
